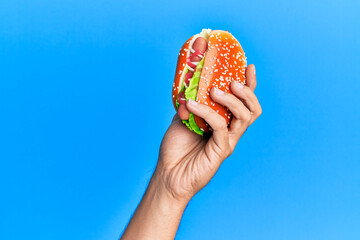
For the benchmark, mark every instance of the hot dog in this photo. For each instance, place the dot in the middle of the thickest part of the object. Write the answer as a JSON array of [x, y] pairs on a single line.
[[206, 60], [196, 54]]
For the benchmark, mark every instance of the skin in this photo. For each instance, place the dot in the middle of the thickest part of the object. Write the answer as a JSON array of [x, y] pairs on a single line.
[[188, 161]]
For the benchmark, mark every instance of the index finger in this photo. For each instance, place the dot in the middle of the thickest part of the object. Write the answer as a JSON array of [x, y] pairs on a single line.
[[215, 120]]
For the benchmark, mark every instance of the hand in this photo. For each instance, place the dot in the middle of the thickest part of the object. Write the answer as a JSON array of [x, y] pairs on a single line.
[[188, 161]]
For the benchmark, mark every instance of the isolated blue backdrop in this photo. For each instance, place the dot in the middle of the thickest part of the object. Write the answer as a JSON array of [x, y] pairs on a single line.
[[85, 100]]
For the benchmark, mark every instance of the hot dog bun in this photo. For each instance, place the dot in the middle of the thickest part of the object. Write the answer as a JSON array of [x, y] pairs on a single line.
[[181, 63], [224, 62]]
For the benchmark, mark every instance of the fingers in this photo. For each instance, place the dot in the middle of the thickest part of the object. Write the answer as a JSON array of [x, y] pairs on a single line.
[[236, 107], [244, 106], [216, 122], [249, 99], [241, 114], [250, 77]]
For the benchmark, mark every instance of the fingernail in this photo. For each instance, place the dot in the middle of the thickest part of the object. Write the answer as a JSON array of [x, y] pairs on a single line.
[[218, 91], [238, 85], [192, 102]]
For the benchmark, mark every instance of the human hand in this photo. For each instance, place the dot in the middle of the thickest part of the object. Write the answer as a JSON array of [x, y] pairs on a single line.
[[188, 161]]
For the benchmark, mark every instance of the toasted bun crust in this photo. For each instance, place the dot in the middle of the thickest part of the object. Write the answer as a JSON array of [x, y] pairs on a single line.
[[224, 62], [181, 63]]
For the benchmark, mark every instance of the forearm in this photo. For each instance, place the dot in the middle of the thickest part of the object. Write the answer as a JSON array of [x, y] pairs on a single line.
[[157, 216]]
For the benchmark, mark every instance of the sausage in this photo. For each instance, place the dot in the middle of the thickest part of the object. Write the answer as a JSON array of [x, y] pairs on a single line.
[[183, 112], [181, 98], [199, 44], [197, 53], [188, 76]]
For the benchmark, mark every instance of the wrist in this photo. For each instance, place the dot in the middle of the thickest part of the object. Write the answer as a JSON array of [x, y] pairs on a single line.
[[158, 214], [158, 190]]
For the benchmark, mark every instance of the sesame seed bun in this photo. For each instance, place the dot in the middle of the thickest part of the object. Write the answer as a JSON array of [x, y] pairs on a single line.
[[179, 74], [225, 62]]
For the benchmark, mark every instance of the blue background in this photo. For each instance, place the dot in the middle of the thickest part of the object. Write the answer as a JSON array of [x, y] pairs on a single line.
[[85, 98]]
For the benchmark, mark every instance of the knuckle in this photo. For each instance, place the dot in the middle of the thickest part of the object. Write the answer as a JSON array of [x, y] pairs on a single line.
[[247, 90], [239, 114], [237, 109], [247, 117], [258, 112], [235, 103], [222, 124]]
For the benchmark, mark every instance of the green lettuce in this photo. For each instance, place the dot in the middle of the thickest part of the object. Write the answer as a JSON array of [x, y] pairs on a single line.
[[191, 93]]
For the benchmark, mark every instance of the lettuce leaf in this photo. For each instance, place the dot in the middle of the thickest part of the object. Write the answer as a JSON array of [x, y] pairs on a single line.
[[191, 93]]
